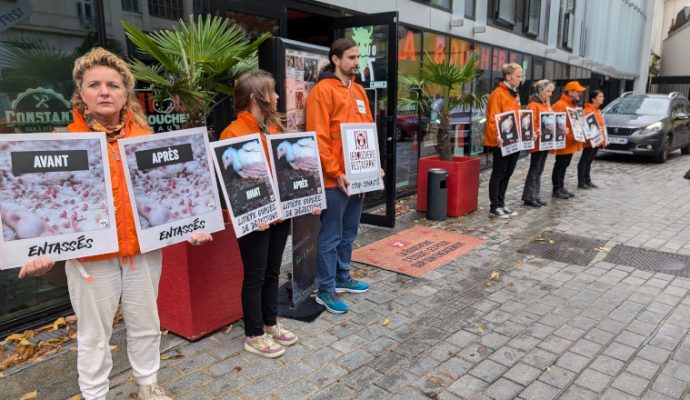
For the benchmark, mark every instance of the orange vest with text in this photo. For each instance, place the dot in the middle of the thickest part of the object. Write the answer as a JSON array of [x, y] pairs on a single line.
[[501, 100], [124, 217], [329, 104], [571, 145]]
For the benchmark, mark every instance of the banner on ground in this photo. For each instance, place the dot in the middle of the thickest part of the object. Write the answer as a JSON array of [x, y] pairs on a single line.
[[171, 186], [56, 197], [249, 190], [361, 153], [297, 172]]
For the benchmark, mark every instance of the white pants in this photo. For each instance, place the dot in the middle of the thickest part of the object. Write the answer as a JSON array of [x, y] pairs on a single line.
[[95, 304]]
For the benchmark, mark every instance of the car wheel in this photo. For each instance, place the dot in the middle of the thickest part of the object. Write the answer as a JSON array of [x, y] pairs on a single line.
[[664, 150], [685, 150]]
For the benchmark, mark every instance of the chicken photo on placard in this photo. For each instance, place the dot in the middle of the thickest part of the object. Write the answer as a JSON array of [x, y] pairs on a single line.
[[297, 167], [245, 175], [39, 204], [171, 192]]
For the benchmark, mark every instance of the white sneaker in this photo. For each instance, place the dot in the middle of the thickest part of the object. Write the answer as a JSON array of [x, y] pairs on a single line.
[[152, 392], [510, 211]]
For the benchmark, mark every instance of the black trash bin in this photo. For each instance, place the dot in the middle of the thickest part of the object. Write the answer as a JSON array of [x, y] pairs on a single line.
[[436, 194]]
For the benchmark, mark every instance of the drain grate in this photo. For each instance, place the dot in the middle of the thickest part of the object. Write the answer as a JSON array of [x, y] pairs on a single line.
[[650, 260], [569, 249]]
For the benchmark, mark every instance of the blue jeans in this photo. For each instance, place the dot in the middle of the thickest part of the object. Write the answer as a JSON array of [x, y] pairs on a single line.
[[339, 224]]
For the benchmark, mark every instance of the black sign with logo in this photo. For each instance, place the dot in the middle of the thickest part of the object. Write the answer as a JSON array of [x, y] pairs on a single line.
[[29, 162], [159, 157]]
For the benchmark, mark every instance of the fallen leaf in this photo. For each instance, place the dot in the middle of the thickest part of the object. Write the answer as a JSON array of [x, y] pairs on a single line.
[[131, 378], [163, 358], [59, 323], [548, 369], [72, 319], [228, 329], [238, 368], [29, 396], [114, 348], [165, 332], [488, 284], [2, 375], [519, 263], [551, 241], [602, 249], [133, 395], [75, 397], [495, 275], [435, 380], [481, 349], [386, 322], [480, 329]]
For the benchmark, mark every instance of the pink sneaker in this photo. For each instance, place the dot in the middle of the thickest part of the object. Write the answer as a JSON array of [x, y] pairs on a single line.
[[264, 346], [281, 335]]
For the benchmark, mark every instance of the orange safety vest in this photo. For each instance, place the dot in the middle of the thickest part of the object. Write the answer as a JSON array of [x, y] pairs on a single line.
[[571, 145], [501, 100], [127, 240], [329, 104]]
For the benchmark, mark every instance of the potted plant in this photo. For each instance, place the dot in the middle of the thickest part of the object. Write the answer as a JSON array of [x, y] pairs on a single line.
[[440, 89], [197, 62]]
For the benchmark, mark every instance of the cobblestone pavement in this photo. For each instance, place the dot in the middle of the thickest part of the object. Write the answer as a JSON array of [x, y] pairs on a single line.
[[542, 330]]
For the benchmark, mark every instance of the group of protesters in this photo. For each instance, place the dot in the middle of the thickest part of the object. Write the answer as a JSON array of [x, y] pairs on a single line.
[[104, 101], [505, 98]]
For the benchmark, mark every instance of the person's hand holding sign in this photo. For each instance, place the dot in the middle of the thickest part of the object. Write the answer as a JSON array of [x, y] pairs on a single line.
[[36, 267], [199, 238], [343, 184]]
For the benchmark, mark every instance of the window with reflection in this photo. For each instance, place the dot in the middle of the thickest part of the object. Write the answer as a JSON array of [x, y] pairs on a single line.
[[532, 17], [470, 6], [504, 12], [412, 124]]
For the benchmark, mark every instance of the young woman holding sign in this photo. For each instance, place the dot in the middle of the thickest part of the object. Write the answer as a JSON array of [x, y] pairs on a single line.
[[104, 101], [261, 250], [584, 167]]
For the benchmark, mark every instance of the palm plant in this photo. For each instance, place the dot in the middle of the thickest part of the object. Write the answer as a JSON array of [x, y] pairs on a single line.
[[197, 61], [447, 80]]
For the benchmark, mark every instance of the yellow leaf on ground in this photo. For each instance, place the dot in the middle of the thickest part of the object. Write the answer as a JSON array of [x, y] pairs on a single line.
[[495, 275], [386, 322], [165, 332], [60, 322], [2, 375], [75, 397], [602, 249], [480, 329], [114, 347], [29, 396], [228, 329], [551, 241], [163, 358], [519, 263], [15, 337]]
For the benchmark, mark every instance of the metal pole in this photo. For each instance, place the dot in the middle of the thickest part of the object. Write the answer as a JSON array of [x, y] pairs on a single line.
[[100, 23]]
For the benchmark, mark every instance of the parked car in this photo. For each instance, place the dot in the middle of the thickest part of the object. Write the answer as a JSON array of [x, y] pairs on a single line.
[[648, 124]]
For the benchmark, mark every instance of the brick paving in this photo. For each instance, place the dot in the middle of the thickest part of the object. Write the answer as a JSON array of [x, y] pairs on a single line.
[[543, 330]]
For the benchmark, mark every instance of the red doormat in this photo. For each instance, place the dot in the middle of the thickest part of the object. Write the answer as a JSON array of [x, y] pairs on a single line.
[[416, 251]]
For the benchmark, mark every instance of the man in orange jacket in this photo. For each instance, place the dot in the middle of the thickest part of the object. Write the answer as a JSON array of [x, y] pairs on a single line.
[[337, 99], [569, 99], [504, 98]]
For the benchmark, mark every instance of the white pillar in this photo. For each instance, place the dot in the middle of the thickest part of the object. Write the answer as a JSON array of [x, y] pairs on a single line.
[[643, 66]]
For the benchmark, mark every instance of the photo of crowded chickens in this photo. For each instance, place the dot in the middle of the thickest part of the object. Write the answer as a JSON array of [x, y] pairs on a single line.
[[52, 200], [55, 197]]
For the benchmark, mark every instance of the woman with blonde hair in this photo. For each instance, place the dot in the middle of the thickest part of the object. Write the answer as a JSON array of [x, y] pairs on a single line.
[[104, 101], [261, 250]]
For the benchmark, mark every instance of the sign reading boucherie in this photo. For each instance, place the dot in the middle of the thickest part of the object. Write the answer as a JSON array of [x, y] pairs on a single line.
[[361, 153]]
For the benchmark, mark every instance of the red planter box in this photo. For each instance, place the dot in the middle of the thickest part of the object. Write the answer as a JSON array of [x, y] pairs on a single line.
[[462, 183], [200, 287]]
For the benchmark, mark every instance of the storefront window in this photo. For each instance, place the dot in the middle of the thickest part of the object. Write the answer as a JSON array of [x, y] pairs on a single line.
[[483, 87], [412, 125], [437, 47]]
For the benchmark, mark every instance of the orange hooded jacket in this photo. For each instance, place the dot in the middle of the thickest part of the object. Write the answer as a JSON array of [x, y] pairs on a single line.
[[127, 240], [501, 100], [329, 104], [571, 145], [537, 106], [246, 124], [591, 108]]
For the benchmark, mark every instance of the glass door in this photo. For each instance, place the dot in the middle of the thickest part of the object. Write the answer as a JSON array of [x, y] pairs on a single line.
[[376, 36]]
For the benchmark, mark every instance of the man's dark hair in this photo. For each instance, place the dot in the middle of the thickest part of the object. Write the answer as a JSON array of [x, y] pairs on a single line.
[[593, 94], [338, 47]]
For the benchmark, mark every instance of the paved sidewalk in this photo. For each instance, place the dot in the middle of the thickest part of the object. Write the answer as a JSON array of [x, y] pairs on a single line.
[[543, 330]]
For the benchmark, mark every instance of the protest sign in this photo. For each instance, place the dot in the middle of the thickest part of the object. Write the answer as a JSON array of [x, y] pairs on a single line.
[[297, 172], [547, 138], [361, 153], [55, 197], [596, 136], [507, 127], [249, 190], [561, 127], [576, 124], [526, 129], [171, 186]]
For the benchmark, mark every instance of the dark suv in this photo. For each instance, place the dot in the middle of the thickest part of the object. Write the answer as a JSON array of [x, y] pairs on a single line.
[[648, 124]]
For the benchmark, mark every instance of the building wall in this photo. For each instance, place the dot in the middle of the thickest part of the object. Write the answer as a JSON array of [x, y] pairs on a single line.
[[611, 46], [675, 50]]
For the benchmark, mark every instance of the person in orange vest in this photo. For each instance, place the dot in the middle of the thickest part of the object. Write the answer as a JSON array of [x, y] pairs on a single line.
[[584, 167], [104, 101], [504, 98], [261, 250], [539, 102], [336, 99], [569, 99]]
